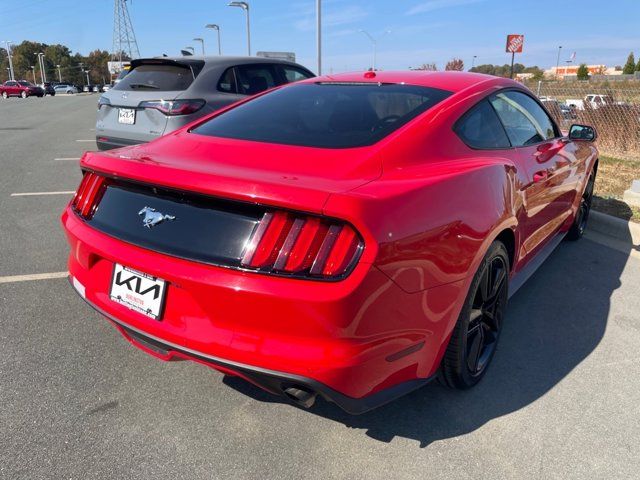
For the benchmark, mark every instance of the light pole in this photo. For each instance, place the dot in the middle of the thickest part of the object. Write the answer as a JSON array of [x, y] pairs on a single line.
[[87, 73], [41, 62], [374, 42], [473, 61], [319, 34], [245, 7], [33, 70], [59, 74], [201, 40], [11, 75], [558, 60], [215, 27]]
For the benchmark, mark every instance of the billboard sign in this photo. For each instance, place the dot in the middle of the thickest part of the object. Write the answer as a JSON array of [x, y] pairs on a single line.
[[515, 43], [116, 67]]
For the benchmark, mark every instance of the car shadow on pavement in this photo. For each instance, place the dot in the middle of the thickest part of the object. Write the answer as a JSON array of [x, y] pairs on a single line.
[[553, 323]]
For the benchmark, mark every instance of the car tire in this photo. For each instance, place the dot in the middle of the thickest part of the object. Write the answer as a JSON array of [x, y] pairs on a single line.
[[475, 336], [24, 94], [5, 95], [579, 224]]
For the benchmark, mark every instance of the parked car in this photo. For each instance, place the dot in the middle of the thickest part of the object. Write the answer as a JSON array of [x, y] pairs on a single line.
[[350, 236], [20, 88], [592, 100], [159, 95], [48, 88], [97, 88], [106, 88], [560, 111], [68, 89], [87, 88]]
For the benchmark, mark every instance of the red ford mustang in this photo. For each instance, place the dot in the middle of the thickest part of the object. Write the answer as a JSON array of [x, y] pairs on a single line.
[[349, 236]]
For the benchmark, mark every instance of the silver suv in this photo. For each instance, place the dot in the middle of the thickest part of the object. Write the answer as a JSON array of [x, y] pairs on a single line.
[[162, 94]]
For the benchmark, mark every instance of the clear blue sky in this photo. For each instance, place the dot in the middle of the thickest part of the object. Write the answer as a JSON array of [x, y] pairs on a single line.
[[422, 31]]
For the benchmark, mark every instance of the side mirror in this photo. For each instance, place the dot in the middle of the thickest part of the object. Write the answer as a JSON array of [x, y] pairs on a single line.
[[582, 132]]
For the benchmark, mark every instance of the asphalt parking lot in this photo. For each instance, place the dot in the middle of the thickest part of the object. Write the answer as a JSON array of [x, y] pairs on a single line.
[[562, 398]]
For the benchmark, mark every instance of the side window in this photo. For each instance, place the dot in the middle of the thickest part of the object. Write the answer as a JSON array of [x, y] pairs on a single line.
[[481, 128], [255, 78], [293, 74], [11, 84], [524, 120], [227, 83]]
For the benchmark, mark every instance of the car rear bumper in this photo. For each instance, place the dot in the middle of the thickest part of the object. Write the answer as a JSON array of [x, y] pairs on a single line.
[[298, 389], [109, 143], [359, 342]]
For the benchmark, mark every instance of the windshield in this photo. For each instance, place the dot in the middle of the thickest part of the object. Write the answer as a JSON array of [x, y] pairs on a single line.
[[326, 115]]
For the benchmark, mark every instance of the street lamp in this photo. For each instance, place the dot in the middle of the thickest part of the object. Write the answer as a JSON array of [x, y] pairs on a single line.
[[33, 70], [43, 75], [59, 74], [319, 34], [473, 61], [245, 7], [374, 42], [201, 40], [216, 27], [190, 48], [11, 75], [87, 73], [558, 60]]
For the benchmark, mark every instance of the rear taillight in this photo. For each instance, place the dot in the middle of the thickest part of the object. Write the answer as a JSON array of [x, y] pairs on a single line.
[[88, 195], [300, 245], [174, 107]]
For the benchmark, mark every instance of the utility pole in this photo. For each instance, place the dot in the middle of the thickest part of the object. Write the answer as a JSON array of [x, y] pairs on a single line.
[[319, 34], [124, 38], [33, 70], [59, 74], [215, 27]]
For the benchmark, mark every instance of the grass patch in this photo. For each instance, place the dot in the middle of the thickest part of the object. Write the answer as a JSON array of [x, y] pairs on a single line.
[[614, 177]]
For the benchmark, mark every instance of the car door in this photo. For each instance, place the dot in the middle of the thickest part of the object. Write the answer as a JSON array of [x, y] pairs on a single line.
[[12, 88], [550, 172]]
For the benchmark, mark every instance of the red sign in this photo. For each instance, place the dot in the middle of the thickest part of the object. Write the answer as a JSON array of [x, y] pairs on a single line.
[[515, 43]]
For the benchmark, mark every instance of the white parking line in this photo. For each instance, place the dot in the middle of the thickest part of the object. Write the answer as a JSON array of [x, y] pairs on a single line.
[[33, 194], [32, 277], [63, 159], [93, 140]]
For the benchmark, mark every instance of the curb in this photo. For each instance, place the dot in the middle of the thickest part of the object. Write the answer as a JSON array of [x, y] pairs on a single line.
[[615, 227]]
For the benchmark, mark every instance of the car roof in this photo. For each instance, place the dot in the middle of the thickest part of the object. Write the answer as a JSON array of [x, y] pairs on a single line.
[[217, 61], [448, 80]]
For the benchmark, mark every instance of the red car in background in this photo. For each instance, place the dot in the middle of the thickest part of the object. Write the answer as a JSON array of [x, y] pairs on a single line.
[[20, 88], [349, 236]]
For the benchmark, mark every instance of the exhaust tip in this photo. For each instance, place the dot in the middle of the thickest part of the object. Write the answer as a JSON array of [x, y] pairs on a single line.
[[301, 395]]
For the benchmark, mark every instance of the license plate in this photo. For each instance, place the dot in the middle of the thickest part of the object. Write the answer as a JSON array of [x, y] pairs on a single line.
[[138, 291], [126, 116]]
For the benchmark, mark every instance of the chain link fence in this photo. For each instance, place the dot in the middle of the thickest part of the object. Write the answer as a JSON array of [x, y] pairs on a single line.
[[613, 108]]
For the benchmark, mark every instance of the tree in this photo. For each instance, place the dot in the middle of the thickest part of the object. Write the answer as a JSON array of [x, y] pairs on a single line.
[[638, 65], [455, 64], [430, 67], [583, 72], [630, 66]]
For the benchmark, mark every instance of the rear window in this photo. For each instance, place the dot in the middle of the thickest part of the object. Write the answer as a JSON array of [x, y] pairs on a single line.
[[157, 77], [326, 115]]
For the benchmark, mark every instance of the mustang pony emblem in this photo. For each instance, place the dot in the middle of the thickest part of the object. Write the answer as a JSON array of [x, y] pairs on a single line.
[[152, 217]]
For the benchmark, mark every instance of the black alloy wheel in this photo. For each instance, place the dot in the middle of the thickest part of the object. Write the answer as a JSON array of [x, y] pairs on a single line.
[[475, 336]]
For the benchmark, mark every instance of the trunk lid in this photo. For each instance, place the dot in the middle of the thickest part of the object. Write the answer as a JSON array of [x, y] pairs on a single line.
[[300, 178]]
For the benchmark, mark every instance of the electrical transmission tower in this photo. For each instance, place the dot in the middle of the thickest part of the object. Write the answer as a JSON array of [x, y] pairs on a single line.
[[124, 39]]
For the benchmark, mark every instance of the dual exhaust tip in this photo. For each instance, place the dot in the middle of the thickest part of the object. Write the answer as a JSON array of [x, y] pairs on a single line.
[[301, 395]]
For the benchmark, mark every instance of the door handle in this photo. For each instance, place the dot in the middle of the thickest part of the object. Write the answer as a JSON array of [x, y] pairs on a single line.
[[540, 176]]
